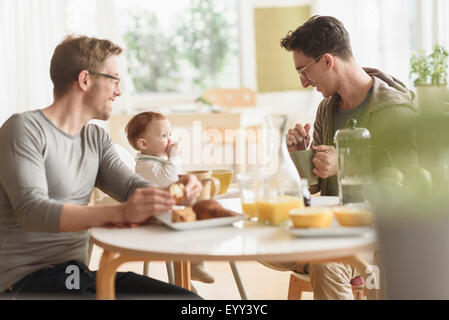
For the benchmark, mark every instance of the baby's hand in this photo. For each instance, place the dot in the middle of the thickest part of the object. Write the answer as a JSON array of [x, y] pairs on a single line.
[[173, 149]]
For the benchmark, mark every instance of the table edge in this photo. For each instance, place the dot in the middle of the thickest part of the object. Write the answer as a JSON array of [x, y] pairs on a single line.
[[300, 257]]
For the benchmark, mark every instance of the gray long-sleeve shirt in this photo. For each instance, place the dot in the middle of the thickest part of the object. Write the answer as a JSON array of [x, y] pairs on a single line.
[[41, 169]]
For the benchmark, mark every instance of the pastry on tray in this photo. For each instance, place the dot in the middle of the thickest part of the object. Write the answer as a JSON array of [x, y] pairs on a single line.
[[208, 209], [183, 215]]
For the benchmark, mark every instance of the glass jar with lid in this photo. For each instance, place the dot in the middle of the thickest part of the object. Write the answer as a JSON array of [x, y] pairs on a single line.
[[354, 162]]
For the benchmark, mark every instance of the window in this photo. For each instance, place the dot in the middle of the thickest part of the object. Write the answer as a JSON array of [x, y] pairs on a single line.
[[181, 46]]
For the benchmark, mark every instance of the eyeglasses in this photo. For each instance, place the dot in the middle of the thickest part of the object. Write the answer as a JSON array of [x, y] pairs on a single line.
[[117, 79], [302, 72]]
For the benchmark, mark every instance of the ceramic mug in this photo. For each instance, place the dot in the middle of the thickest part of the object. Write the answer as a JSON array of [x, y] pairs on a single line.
[[225, 178], [211, 185], [303, 162]]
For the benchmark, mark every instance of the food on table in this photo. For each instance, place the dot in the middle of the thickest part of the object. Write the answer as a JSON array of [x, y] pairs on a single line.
[[177, 191], [205, 209], [354, 216], [312, 217], [183, 215], [275, 211], [208, 209]]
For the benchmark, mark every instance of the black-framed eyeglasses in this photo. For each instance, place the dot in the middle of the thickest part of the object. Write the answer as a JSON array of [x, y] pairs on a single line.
[[117, 79], [302, 72]]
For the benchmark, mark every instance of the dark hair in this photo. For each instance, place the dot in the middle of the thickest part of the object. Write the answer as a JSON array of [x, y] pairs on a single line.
[[75, 54], [138, 124], [319, 35]]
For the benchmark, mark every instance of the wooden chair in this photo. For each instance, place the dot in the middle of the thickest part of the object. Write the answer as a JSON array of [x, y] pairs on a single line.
[[300, 283]]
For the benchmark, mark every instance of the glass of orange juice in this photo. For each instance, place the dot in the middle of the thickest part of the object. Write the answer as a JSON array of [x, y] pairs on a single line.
[[248, 183], [275, 210]]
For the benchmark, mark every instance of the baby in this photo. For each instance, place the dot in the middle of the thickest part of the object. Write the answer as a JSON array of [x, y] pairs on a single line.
[[159, 162]]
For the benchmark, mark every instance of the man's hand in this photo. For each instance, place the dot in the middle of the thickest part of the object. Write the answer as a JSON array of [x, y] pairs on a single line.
[[146, 203], [325, 161], [193, 188], [298, 138]]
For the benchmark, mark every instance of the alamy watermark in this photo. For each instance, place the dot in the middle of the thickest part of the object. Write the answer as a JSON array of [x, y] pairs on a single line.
[[373, 280], [72, 282], [212, 146]]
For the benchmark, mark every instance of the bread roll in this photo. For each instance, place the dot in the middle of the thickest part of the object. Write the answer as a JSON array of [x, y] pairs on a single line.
[[183, 215], [208, 209]]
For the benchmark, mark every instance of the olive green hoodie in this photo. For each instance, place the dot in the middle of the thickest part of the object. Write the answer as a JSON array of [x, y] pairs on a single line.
[[388, 116]]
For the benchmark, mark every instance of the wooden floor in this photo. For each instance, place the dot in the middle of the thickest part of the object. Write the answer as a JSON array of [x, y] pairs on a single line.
[[261, 283]]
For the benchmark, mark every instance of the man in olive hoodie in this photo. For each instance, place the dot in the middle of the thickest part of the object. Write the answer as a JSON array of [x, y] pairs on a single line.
[[323, 57]]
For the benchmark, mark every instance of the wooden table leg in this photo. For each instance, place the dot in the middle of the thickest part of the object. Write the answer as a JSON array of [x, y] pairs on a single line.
[[182, 274], [105, 282], [106, 277]]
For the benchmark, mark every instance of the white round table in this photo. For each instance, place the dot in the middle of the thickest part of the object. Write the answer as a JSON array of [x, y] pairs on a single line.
[[244, 240]]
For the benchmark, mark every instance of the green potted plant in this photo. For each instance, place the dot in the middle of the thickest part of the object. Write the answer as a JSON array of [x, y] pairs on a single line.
[[431, 77], [412, 215]]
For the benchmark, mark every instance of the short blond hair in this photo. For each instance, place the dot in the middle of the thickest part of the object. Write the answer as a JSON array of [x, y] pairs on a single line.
[[77, 53]]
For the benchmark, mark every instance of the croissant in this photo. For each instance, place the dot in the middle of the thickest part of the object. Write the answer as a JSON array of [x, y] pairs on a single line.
[[208, 209]]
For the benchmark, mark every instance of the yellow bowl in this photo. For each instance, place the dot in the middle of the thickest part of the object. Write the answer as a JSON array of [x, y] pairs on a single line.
[[353, 216], [225, 178], [311, 217]]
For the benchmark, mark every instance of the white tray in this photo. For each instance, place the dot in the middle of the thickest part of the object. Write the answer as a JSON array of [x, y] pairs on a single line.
[[200, 224], [332, 231]]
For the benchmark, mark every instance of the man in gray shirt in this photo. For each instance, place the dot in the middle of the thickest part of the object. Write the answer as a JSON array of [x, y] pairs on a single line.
[[51, 160]]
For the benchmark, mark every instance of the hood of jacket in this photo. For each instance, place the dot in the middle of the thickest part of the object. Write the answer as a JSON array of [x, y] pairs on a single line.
[[389, 91]]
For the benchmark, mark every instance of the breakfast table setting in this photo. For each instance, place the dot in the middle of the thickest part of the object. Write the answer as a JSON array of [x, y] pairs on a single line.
[[267, 215], [238, 237]]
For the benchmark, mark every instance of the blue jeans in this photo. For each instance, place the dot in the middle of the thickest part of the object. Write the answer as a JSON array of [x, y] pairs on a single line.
[[56, 282]]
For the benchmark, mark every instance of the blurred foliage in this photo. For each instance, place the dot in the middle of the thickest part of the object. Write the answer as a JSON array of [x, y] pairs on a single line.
[[152, 56], [204, 101], [426, 185], [431, 69], [196, 51], [206, 33], [420, 67]]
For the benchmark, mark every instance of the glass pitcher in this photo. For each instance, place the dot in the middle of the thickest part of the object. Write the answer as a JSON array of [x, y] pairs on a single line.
[[279, 187], [354, 162]]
